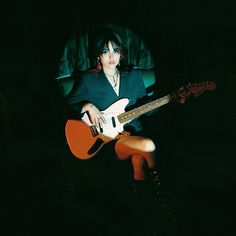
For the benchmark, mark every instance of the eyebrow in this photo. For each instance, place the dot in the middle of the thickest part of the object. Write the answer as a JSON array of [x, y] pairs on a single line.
[[107, 49]]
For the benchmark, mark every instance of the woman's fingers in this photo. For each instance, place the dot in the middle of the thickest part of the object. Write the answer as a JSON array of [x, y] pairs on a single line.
[[103, 118], [100, 122], [97, 120], [96, 116], [93, 119]]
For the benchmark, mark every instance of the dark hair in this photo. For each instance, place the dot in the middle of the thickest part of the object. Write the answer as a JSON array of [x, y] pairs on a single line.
[[100, 40], [103, 39]]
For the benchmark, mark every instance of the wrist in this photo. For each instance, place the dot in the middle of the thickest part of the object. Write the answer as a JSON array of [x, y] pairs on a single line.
[[87, 107]]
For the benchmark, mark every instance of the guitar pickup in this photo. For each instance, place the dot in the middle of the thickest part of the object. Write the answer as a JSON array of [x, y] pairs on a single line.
[[96, 146], [113, 122]]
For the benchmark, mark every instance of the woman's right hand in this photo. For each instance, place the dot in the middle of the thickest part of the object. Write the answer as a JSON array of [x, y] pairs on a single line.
[[95, 115]]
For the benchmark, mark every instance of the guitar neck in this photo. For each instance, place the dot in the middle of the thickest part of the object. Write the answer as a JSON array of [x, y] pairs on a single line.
[[136, 112]]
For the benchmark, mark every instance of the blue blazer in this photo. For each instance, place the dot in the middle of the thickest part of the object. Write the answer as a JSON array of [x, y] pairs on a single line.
[[95, 88]]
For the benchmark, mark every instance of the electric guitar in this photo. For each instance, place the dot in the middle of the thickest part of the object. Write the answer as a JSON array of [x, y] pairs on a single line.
[[85, 139]]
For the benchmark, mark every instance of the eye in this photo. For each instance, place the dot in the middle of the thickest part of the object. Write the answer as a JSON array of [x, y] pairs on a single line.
[[116, 50], [105, 51]]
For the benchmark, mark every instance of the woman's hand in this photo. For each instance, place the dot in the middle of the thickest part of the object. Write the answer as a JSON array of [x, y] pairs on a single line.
[[95, 115], [183, 94]]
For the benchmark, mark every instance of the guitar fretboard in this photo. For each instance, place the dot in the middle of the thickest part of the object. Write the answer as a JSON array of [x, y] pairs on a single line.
[[136, 112]]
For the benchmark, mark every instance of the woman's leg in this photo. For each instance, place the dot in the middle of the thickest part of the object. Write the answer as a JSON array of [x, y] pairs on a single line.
[[138, 164], [140, 150]]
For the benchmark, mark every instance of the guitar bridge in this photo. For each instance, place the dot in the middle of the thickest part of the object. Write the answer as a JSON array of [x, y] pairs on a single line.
[[93, 130]]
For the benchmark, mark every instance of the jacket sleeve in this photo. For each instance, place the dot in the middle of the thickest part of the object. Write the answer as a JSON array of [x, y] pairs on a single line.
[[77, 98]]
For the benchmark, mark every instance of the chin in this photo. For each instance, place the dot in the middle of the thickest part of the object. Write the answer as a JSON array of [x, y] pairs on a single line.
[[113, 66]]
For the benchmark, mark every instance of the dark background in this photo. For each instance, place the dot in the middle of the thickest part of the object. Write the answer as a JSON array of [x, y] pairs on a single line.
[[190, 42]]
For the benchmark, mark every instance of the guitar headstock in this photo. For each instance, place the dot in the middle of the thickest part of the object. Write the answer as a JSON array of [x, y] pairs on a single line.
[[195, 90]]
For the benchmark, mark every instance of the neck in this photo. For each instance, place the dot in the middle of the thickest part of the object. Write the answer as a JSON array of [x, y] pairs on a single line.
[[110, 71]]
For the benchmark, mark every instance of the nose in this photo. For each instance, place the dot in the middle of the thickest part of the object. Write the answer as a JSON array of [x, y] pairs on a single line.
[[111, 54]]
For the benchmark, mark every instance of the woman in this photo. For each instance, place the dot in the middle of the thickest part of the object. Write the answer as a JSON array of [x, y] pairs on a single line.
[[98, 89]]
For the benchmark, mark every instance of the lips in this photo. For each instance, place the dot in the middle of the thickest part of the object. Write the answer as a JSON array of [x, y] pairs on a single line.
[[111, 62]]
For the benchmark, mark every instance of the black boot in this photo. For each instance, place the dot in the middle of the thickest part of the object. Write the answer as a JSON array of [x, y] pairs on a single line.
[[147, 218], [175, 223], [138, 189], [159, 194]]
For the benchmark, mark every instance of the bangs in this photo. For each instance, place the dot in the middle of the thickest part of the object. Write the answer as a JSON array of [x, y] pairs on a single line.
[[115, 47], [103, 41]]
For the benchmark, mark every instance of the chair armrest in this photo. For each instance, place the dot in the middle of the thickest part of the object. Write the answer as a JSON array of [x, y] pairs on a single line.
[[149, 78], [65, 85]]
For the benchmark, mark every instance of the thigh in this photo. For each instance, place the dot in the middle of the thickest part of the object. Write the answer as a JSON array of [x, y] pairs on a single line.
[[133, 145]]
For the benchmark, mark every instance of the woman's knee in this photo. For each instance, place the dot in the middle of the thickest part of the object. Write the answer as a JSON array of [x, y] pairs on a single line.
[[148, 145]]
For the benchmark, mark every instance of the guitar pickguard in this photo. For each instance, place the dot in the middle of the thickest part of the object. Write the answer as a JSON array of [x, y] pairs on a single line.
[[112, 127]]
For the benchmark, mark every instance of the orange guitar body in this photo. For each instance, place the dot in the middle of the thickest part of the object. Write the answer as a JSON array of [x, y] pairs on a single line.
[[80, 139], [85, 139]]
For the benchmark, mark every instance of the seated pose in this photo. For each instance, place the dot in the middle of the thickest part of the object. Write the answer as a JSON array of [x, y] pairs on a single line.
[[108, 83]]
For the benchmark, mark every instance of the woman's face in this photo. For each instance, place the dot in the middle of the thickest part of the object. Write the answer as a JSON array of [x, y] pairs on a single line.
[[110, 56]]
